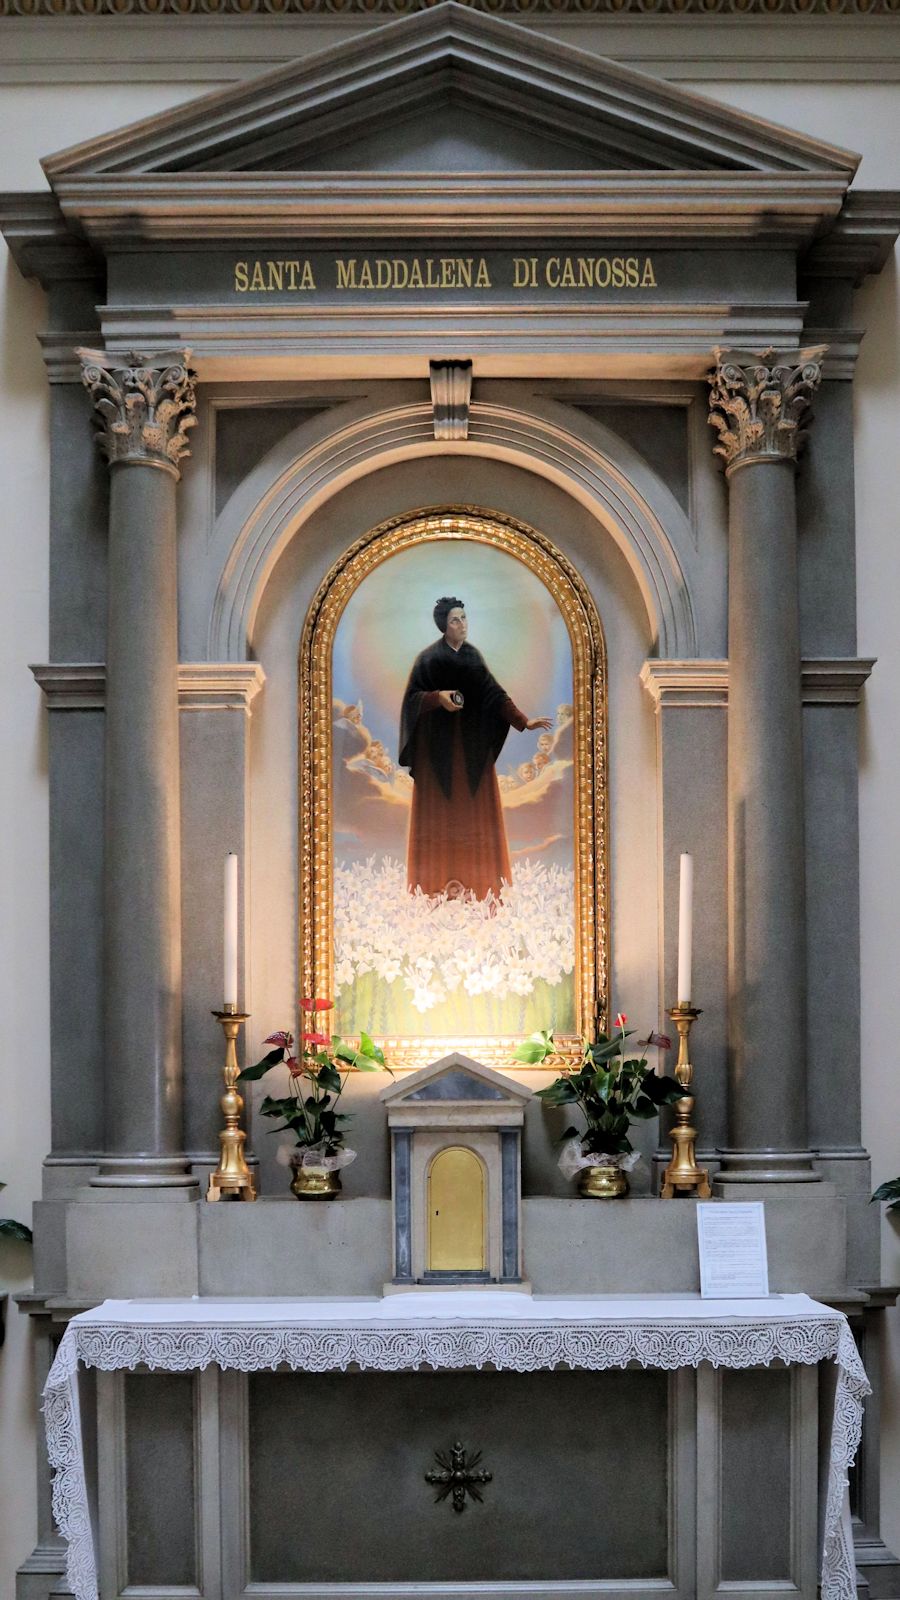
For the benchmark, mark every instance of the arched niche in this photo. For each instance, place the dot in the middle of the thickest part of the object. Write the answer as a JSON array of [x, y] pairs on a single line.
[[587, 460], [396, 488]]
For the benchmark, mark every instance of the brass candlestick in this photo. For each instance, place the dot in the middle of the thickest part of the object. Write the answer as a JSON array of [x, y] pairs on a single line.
[[232, 1179], [683, 1173]]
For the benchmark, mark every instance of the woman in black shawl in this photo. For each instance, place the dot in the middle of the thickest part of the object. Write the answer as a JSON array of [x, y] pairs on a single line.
[[453, 725]]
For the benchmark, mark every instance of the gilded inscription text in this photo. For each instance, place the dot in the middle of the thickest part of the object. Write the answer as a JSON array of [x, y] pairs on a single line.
[[366, 274]]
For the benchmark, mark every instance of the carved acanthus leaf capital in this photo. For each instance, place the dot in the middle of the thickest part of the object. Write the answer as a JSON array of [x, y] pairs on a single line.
[[760, 404], [143, 409]]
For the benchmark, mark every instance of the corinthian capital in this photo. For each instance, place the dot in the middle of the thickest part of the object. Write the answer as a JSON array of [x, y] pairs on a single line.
[[143, 409], [760, 404]]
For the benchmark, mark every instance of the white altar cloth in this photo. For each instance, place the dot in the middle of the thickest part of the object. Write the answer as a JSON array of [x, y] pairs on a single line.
[[446, 1329]]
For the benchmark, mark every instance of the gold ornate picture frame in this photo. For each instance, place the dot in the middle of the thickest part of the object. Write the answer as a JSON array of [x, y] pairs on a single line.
[[590, 826]]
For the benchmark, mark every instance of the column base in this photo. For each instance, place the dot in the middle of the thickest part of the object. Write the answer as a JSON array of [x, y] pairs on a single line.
[[765, 1166], [146, 1172]]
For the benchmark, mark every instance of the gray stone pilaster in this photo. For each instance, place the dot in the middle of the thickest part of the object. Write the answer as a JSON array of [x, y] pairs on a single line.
[[143, 413], [509, 1204], [759, 406], [402, 1142], [690, 699]]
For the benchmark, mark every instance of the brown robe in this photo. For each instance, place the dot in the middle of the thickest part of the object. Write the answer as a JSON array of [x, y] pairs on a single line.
[[457, 837]]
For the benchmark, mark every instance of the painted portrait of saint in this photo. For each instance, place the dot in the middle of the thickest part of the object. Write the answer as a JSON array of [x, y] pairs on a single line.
[[453, 798], [453, 725]]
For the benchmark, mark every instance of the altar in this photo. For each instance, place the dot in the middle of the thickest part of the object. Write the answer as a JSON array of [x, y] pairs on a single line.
[[585, 1443], [453, 741]]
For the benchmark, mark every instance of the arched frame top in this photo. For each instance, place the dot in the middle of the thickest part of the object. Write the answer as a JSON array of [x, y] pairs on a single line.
[[591, 464], [576, 605]]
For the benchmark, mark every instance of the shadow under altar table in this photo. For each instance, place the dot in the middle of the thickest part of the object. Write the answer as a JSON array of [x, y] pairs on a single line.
[[636, 1446]]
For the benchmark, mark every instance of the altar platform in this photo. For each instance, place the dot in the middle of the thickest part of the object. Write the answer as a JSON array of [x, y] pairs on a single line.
[[623, 1446]]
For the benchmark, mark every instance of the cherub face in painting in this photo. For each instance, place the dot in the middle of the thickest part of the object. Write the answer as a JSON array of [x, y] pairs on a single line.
[[457, 628]]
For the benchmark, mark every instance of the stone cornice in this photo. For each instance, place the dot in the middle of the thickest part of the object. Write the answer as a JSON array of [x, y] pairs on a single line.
[[686, 684], [728, 12], [826, 680], [835, 680], [202, 685], [286, 120], [41, 242], [860, 241], [672, 340], [786, 208]]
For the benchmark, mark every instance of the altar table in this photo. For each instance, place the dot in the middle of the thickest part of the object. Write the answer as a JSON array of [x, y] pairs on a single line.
[[453, 1329]]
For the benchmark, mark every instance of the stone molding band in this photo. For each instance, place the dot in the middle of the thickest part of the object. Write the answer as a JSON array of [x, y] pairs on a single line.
[[272, 9], [234, 685], [825, 680], [142, 412], [202, 685]]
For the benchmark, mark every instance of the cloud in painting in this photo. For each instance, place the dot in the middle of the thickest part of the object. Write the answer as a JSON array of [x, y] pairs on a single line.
[[373, 794]]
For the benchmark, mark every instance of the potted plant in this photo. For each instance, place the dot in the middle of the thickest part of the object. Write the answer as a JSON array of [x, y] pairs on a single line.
[[889, 1191], [316, 1081], [10, 1229], [611, 1092]]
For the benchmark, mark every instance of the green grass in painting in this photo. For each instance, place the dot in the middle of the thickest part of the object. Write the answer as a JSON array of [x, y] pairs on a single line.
[[384, 1008]]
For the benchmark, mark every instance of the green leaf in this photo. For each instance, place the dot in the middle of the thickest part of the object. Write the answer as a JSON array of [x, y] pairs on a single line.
[[273, 1059], [888, 1191], [662, 1090], [532, 1051], [560, 1092], [10, 1229], [605, 1050], [271, 1107], [329, 1077]]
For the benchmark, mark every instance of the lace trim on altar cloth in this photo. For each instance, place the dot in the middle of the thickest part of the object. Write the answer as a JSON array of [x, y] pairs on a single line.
[[523, 1347]]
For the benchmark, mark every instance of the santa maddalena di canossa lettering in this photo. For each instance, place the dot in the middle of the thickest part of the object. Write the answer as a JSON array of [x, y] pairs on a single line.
[[366, 274], [421, 272]]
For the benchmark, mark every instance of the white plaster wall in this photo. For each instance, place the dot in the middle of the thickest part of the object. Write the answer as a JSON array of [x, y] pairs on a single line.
[[32, 124], [37, 118]]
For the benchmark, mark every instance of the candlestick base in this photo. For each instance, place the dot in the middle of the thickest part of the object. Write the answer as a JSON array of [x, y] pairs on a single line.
[[232, 1179], [682, 1175]]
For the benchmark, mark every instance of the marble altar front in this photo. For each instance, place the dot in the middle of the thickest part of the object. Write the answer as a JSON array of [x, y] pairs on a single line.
[[588, 1483]]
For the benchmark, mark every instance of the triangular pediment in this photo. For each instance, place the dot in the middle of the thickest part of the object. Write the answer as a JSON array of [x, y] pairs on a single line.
[[449, 89], [456, 1078]]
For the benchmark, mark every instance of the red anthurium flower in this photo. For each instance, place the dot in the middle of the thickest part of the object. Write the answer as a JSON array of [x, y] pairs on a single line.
[[294, 1067], [284, 1039], [317, 1005], [315, 1038], [659, 1040], [621, 1020]]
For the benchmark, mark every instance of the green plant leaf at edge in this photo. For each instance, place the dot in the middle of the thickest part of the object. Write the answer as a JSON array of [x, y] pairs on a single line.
[[10, 1229]]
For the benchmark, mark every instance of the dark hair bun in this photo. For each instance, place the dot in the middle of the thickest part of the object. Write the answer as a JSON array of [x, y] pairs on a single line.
[[443, 608]]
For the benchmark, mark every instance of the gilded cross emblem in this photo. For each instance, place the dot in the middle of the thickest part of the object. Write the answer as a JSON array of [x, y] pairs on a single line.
[[459, 1476]]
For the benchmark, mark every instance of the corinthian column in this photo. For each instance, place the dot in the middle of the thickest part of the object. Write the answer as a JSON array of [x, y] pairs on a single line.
[[143, 413], [760, 406]]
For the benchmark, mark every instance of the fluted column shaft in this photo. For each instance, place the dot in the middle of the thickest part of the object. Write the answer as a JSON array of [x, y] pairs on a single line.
[[144, 411], [759, 405]]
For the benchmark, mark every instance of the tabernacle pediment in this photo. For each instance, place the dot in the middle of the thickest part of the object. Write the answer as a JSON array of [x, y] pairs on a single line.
[[455, 1077], [449, 89]]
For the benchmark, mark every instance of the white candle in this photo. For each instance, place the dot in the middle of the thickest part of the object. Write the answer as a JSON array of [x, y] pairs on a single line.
[[685, 929], [230, 963]]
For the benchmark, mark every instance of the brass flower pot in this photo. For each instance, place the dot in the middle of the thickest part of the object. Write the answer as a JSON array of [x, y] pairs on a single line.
[[603, 1182], [314, 1183]]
